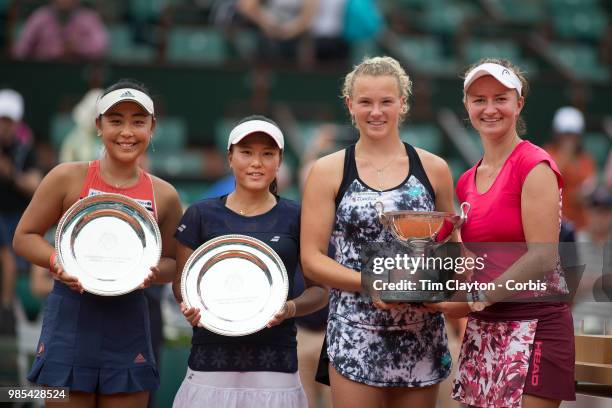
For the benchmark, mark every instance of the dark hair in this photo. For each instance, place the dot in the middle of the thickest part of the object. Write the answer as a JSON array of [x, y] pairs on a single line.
[[257, 117], [274, 185], [521, 125], [127, 83]]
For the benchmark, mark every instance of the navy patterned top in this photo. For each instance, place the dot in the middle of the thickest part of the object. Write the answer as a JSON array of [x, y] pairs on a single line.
[[271, 349]]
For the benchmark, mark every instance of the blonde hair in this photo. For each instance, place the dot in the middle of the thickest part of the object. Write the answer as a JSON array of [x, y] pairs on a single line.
[[380, 66], [521, 125]]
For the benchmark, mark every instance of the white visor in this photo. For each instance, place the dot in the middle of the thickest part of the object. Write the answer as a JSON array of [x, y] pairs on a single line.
[[504, 75], [124, 94], [253, 126]]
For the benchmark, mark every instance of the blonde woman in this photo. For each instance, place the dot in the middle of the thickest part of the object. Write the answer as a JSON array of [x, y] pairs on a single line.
[[379, 354]]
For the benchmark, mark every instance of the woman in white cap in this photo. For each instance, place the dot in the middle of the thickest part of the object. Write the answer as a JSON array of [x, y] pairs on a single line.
[[260, 369], [520, 353], [99, 347], [376, 354], [577, 166]]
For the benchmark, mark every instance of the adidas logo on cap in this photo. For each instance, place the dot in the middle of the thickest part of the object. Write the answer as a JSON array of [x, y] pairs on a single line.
[[126, 94]]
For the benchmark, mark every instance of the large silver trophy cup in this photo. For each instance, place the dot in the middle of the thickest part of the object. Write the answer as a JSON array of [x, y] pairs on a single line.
[[421, 234]]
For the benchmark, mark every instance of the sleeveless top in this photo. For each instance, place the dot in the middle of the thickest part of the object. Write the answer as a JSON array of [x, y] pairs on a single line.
[[356, 223], [99, 344], [270, 349], [142, 191], [495, 216], [405, 346]]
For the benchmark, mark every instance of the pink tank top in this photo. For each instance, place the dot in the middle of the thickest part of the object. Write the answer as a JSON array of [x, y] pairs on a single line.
[[142, 191], [495, 215]]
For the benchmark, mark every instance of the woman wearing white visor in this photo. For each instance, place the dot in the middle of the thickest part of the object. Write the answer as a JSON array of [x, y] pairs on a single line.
[[519, 353], [260, 369], [99, 347]]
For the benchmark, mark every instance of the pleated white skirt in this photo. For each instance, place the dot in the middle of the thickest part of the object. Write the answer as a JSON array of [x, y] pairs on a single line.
[[240, 390]]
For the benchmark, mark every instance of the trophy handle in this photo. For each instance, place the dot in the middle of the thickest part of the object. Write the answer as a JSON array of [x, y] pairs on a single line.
[[387, 222], [465, 209], [380, 210]]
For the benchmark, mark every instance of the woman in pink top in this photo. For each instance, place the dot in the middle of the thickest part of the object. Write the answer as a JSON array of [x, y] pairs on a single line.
[[521, 353]]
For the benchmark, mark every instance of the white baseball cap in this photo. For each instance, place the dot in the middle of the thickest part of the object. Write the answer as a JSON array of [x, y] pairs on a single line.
[[244, 129], [568, 120], [504, 75], [124, 94], [11, 105]]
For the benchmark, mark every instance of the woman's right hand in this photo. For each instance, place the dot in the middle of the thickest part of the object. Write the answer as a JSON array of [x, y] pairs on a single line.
[[58, 273], [192, 314]]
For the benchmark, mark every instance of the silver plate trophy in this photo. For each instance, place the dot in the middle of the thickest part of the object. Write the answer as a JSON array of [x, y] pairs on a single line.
[[109, 242], [421, 233], [238, 282]]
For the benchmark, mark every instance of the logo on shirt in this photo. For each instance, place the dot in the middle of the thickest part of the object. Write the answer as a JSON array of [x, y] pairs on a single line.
[[148, 204], [127, 94], [275, 238], [181, 227], [365, 196], [415, 191], [140, 359]]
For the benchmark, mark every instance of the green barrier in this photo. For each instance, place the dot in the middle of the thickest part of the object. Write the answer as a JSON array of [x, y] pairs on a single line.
[[173, 369], [31, 304]]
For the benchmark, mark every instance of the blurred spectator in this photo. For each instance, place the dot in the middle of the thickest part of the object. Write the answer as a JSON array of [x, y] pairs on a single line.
[[577, 166], [593, 310], [62, 30], [599, 214], [608, 171], [303, 31], [282, 25], [326, 32], [83, 143], [19, 177]]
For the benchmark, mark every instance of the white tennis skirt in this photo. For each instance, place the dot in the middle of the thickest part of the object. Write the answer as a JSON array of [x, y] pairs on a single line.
[[240, 390]]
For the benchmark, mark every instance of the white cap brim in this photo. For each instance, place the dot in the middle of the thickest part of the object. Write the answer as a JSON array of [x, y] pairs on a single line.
[[253, 126], [122, 95], [11, 105], [504, 75]]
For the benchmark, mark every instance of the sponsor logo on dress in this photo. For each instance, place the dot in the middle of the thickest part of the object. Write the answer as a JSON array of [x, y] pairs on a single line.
[[148, 204], [365, 196], [537, 357], [140, 359], [181, 227], [275, 238]]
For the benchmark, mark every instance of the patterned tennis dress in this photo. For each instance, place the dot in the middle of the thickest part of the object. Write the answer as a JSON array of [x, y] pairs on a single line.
[[402, 347]]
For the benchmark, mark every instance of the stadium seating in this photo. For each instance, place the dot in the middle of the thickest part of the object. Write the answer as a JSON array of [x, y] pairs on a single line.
[[196, 45]]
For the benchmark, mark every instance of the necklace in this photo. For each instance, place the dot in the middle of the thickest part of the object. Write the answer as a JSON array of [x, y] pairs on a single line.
[[380, 171], [245, 210], [118, 185]]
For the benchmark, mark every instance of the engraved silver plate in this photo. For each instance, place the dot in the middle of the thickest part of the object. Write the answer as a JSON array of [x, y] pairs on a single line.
[[109, 242], [237, 282]]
